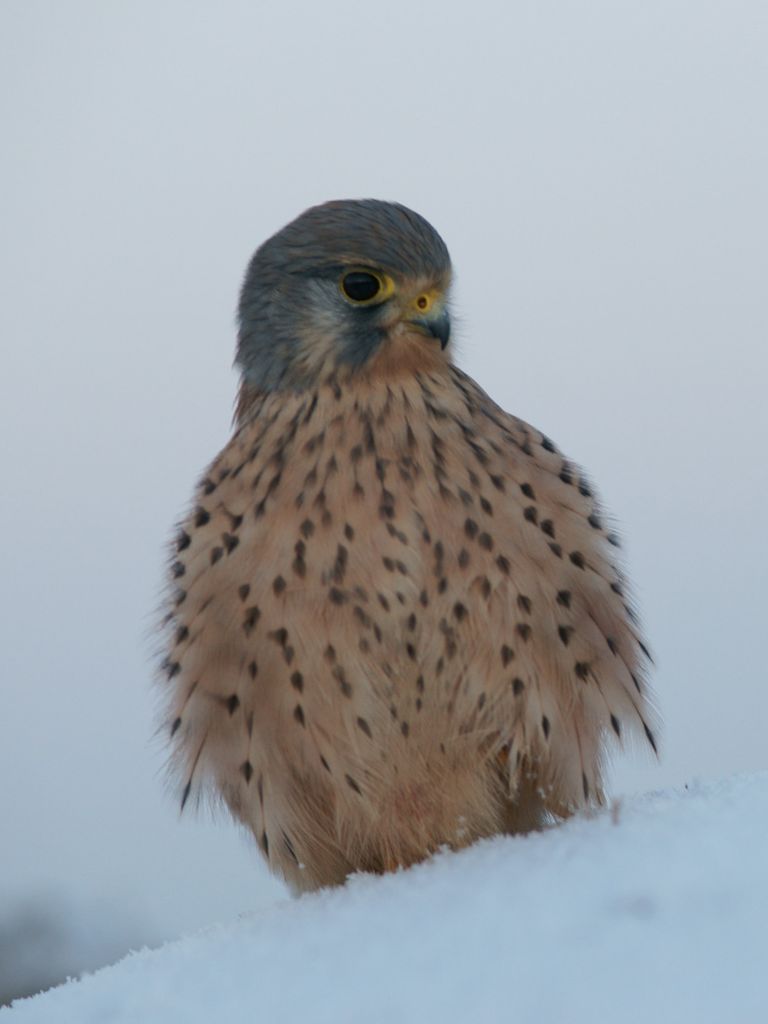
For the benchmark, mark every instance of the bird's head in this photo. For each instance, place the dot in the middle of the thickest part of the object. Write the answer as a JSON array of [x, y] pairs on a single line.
[[342, 285]]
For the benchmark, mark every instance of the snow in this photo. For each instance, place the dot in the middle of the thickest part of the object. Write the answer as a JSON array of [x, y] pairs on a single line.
[[655, 910]]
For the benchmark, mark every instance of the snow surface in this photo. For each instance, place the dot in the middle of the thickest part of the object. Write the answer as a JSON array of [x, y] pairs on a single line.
[[653, 911]]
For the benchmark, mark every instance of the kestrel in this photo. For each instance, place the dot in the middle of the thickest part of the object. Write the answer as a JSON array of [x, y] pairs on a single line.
[[396, 618]]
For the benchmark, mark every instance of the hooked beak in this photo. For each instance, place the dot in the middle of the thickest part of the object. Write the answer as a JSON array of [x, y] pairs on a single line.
[[436, 325]]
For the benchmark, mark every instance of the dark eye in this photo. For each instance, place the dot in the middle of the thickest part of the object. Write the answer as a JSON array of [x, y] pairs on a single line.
[[360, 286]]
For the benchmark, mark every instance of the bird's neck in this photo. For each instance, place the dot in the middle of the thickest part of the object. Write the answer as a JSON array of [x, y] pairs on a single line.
[[405, 355], [399, 360]]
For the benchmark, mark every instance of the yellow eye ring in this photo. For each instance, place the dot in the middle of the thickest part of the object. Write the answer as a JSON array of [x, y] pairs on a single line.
[[364, 287]]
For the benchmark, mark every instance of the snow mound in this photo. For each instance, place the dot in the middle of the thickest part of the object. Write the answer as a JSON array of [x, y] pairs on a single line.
[[656, 910]]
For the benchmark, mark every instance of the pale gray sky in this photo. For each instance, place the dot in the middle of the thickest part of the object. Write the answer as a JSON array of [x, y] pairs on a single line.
[[600, 173]]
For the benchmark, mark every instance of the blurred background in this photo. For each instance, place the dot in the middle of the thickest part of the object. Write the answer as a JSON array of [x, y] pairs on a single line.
[[599, 171]]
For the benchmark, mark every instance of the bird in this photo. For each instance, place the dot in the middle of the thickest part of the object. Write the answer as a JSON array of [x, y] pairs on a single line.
[[396, 619]]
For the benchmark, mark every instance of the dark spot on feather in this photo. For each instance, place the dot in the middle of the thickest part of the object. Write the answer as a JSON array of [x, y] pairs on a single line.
[[517, 686], [244, 591], [216, 554], [278, 585], [578, 559], [246, 770], [564, 598], [298, 714], [545, 726], [581, 668], [351, 783], [341, 678], [524, 604], [364, 727], [507, 654], [651, 738], [185, 794], [289, 847], [616, 725], [297, 681], [183, 540], [565, 632], [176, 725], [340, 564], [201, 516], [299, 566], [232, 703]]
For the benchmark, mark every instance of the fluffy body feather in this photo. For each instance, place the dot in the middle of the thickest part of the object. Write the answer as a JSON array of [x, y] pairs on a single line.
[[397, 621]]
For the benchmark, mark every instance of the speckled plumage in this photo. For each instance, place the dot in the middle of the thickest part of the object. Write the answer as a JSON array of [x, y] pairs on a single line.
[[397, 620]]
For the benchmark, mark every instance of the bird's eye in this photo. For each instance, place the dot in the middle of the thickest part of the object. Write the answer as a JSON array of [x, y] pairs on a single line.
[[361, 285]]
